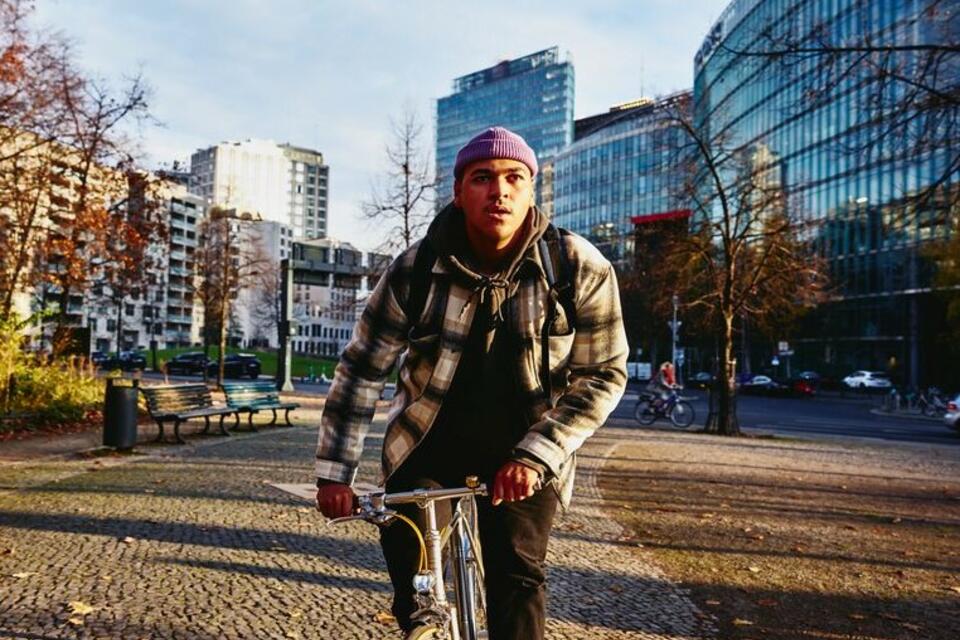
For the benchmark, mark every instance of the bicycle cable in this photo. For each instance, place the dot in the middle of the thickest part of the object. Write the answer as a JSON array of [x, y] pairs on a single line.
[[423, 543]]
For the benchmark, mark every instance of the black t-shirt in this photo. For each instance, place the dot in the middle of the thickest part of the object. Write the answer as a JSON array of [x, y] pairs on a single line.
[[482, 418]]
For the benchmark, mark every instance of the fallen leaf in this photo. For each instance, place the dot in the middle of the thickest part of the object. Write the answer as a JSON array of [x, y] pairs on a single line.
[[850, 527], [149, 491], [740, 622], [295, 614], [954, 589], [756, 537], [844, 487], [768, 602], [304, 510], [753, 569], [278, 548], [293, 635], [889, 616], [912, 627], [857, 616], [799, 549], [80, 608], [713, 603], [897, 520], [77, 622], [706, 516], [129, 540], [24, 574], [384, 618], [616, 588]]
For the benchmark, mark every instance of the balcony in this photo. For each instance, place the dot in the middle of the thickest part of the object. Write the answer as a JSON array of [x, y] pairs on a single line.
[[179, 319]]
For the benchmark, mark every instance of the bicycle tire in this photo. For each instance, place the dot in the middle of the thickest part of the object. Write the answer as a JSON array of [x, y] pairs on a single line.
[[644, 413], [426, 632], [682, 414]]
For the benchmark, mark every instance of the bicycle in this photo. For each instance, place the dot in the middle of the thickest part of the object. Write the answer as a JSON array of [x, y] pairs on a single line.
[[675, 408], [439, 618]]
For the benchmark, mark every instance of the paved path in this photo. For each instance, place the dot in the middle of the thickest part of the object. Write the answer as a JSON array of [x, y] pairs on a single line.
[[193, 542]]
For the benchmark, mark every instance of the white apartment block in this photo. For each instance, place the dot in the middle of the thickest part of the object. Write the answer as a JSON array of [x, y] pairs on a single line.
[[279, 182]]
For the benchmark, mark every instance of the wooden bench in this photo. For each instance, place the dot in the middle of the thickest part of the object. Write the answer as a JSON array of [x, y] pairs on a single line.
[[180, 402], [253, 397]]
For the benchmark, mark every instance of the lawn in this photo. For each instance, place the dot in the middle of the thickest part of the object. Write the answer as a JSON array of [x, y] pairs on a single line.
[[302, 365]]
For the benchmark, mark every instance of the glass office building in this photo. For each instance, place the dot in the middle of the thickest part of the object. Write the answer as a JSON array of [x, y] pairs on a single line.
[[532, 96], [616, 172], [864, 156]]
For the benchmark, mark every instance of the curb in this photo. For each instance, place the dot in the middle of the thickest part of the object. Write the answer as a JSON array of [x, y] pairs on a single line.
[[909, 416]]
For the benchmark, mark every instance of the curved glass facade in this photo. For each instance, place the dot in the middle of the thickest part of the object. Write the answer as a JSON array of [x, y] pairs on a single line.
[[617, 170], [865, 157]]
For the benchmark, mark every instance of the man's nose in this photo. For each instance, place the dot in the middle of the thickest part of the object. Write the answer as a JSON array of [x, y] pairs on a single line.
[[498, 187]]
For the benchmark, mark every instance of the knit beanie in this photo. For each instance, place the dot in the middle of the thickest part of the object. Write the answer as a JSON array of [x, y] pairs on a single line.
[[495, 143]]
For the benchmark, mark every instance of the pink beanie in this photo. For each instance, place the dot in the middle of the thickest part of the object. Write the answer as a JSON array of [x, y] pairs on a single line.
[[495, 142]]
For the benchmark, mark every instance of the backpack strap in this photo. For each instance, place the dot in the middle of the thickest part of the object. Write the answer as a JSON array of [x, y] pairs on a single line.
[[420, 281], [558, 272]]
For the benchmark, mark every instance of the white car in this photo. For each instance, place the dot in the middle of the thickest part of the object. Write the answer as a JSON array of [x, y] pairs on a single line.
[[952, 416], [868, 380]]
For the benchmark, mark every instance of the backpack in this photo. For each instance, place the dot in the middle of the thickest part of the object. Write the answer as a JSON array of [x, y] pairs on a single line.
[[556, 267]]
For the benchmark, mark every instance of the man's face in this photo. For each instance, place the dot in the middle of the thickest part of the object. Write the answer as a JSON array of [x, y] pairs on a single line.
[[495, 196]]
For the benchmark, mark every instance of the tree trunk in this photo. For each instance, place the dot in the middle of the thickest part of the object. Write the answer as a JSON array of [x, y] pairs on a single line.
[[727, 424], [223, 340]]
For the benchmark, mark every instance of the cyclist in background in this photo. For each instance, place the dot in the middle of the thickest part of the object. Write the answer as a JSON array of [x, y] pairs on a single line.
[[473, 395], [663, 384]]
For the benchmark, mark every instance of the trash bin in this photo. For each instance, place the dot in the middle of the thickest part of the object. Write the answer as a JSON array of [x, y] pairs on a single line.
[[120, 414]]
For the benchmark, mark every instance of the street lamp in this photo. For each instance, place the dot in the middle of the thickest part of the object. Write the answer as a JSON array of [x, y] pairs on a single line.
[[675, 327]]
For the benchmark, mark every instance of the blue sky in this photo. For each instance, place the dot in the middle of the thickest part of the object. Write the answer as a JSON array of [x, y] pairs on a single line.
[[330, 75]]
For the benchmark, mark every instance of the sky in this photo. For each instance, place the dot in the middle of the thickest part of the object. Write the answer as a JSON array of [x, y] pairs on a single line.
[[330, 75]]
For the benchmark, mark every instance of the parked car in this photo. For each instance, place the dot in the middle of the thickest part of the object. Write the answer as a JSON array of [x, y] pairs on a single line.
[[701, 380], [803, 388], [868, 380], [99, 358], [190, 363], [764, 385], [952, 417], [125, 361], [237, 365]]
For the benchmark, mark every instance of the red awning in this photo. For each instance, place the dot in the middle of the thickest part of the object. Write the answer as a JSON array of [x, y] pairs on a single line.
[[664, 215]]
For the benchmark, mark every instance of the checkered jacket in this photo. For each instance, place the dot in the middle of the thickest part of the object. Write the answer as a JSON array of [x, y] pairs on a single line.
[[587, 362]]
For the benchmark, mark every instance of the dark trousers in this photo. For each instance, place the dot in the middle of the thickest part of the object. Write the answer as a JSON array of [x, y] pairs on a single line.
[[513, 537]]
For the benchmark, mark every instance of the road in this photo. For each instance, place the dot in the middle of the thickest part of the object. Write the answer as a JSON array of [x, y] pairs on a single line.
[[820, 417]]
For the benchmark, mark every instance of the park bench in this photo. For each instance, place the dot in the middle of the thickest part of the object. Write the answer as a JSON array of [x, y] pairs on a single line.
[[253, 397], [182, 402]]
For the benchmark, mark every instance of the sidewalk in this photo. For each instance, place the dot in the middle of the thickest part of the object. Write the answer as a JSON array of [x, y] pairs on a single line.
[[194, 542]]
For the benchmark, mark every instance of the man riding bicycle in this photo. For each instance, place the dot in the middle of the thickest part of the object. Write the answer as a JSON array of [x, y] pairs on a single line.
[[662, 385], [498, 377]]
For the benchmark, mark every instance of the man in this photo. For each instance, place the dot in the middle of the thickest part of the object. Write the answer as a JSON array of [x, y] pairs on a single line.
[[663, 384], [471, 398]]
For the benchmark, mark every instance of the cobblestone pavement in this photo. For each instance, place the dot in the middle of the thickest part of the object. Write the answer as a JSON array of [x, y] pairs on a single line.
[[193, 542]]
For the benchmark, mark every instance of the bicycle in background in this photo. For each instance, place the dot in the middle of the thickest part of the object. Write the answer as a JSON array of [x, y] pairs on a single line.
[[674, 408], [440, 616]]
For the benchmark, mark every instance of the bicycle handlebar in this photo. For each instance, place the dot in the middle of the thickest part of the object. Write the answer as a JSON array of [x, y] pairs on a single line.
[[372, 507]]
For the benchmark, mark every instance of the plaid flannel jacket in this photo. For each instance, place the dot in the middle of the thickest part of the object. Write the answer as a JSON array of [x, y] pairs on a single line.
[[587, 362]]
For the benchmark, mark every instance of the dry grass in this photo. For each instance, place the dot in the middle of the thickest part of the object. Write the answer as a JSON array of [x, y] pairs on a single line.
[[798, 540]]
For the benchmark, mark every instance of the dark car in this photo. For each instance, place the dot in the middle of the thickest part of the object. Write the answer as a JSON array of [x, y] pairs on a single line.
[[237, 365], [764, 385], [701, 380], [192, 362], [125, 361], [99, 359]]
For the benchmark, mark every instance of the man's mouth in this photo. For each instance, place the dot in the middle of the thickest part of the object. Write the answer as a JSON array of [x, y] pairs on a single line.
[[499, 210]]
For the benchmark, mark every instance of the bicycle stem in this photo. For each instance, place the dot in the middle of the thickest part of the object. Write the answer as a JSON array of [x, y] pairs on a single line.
[[434, 553]]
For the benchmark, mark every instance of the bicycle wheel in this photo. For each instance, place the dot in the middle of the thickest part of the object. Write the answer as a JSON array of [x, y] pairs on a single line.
[[681, 415], [644, 413], [427, 632]]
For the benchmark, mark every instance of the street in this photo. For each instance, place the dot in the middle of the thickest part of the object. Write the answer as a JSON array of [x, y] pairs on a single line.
[[827, 416]]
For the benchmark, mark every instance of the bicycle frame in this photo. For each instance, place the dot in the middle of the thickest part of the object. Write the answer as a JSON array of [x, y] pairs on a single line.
[[460, 616]]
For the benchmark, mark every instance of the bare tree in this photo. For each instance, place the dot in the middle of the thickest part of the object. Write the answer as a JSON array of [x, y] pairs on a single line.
[[404, 198], [907, 77], [746, 253], [230, 258]]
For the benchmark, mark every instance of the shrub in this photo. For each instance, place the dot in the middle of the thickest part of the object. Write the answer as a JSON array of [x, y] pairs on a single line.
[[40, 390]]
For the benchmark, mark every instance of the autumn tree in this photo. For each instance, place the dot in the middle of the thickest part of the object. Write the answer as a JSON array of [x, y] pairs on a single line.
[[230, 257], [747, 252], [402, 202]]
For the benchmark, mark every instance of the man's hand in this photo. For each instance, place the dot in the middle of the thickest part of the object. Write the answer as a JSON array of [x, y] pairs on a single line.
[[514, 481], [335, 500]]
